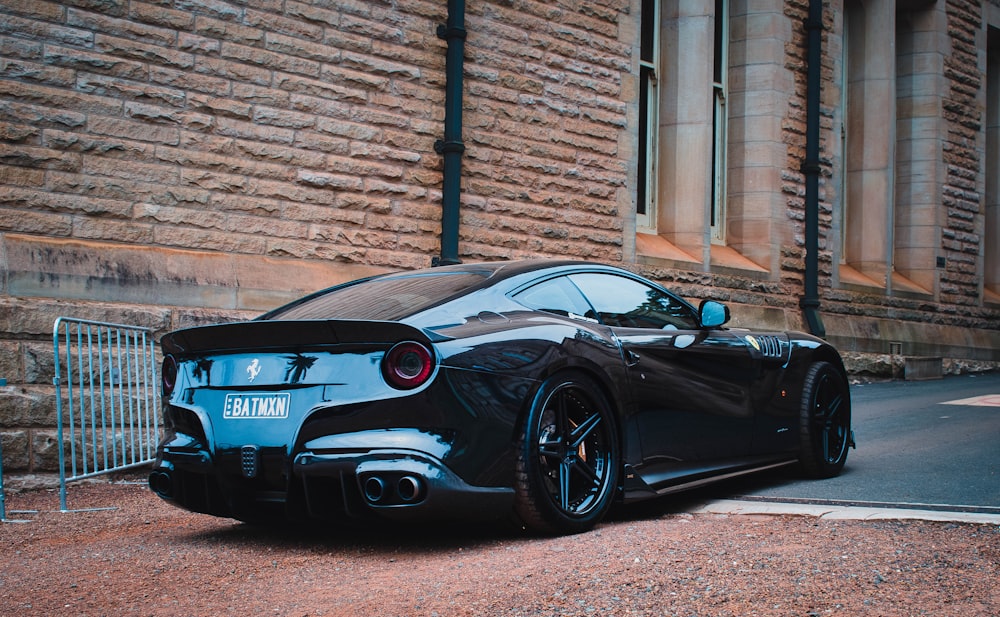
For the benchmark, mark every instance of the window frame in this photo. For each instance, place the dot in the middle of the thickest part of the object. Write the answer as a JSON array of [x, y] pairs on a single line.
[[720, 123], [689, 321], [647, 185]]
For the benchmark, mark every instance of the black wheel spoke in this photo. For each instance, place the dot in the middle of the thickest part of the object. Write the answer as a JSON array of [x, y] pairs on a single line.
[[589, 472], [580, 433], [565, 470], [562, 418], [830, 410], [834, 442], [834, 406]]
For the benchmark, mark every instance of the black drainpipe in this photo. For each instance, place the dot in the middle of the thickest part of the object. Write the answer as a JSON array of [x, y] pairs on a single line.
[[451, 147], [809, 303]]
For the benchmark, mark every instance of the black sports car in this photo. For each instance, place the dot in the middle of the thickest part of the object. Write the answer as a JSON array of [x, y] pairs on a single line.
[[537, 388]]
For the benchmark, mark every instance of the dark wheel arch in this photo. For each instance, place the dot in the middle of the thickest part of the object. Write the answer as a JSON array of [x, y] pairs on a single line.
[[568, 456]]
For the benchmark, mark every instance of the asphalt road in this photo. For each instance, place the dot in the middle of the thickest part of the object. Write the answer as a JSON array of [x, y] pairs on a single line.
[[916, 449]]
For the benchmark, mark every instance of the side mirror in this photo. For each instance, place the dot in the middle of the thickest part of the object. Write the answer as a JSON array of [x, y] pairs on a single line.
[[712, 314]]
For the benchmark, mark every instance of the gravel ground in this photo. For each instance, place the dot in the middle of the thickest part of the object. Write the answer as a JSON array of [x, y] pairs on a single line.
[[145, 557]]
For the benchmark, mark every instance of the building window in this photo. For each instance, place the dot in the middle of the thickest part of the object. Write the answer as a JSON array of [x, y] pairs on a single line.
[[717, 216], [711, 102], [676, 180], [679, 137], [841, 224], [991, 237], [648, 106]]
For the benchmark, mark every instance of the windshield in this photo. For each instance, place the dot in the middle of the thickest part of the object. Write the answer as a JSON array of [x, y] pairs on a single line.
[[384, 299]]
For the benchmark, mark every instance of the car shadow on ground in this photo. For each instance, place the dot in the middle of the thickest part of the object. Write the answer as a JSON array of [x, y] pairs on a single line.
[[375, 535], [387, 536]]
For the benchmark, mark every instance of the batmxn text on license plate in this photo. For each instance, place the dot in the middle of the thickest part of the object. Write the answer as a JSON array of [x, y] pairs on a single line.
[[256, 405]]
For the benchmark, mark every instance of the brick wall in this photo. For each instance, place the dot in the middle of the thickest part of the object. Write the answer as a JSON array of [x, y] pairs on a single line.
[[168, 164], [303, 132], [307, 132], [162, 166], [546, 108], [793, 180], [964, 187]]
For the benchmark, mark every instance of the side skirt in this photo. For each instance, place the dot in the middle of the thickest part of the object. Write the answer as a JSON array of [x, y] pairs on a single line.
[[655, 483]]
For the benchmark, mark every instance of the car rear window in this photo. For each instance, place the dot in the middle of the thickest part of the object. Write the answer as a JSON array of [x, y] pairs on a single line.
[[388, 298]]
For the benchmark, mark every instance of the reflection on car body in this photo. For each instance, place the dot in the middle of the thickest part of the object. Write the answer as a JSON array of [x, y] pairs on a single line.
[[544, 390]]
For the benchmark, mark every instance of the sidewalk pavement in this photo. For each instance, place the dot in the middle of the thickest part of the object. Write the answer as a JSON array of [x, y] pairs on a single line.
[[842, 512]]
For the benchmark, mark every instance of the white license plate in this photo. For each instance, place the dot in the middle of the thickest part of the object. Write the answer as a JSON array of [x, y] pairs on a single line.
[[257, 406]]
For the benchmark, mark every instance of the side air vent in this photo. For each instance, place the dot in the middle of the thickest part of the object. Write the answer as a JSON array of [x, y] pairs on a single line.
[[769, 345]]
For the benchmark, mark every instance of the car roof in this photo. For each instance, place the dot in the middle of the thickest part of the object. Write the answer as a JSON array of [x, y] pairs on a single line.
[[498, 270], [490, 274]]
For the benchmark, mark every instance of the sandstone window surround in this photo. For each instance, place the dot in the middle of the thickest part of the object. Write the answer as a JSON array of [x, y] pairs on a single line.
[[890, 218], [709, 192], [869, 134], [920, 67]]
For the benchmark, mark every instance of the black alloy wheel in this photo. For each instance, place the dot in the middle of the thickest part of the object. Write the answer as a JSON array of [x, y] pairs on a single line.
[[568, 457], [824, 421]]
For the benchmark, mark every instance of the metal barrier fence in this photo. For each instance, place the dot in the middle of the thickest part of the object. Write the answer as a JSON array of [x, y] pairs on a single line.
[[107, 405]]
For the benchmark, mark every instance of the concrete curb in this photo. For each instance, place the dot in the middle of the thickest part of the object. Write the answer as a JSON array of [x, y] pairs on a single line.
[[854, 513]]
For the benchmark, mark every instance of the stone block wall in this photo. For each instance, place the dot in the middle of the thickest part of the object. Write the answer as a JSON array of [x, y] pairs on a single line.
[[169, 164], [163, 166], [964, 188], [308, 132]]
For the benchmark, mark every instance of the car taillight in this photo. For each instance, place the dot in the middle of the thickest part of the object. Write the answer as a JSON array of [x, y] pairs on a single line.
[[168, 375], [407, 365]]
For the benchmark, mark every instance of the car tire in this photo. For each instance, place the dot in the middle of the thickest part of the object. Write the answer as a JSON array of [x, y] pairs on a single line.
[[824, 422], [568, 457]]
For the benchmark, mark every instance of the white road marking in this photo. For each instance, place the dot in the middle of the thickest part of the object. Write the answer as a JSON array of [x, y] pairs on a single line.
[[987, 400]]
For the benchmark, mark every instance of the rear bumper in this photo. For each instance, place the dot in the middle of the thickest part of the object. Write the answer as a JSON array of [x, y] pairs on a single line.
[[331, 484], [402, 485]]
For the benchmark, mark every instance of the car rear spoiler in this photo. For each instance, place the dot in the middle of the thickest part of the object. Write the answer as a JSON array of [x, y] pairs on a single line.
[[263, 335]]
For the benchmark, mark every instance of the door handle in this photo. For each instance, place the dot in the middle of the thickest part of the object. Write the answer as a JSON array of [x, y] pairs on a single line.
[[631, 358]]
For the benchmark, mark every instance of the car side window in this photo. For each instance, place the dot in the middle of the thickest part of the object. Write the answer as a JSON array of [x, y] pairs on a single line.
[[557, 296], [627, 303]]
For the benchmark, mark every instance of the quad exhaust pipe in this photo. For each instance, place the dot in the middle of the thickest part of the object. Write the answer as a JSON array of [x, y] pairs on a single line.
[[385, 491]]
